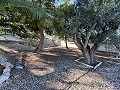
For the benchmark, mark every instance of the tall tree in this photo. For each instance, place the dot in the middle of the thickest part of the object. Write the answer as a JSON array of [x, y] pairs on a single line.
[[95, 20], [35, 12]]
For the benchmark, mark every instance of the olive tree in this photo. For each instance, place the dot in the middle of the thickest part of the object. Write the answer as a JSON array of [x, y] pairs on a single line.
[[95, 20]]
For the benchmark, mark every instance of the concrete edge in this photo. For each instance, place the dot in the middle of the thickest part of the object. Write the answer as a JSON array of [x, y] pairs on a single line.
[[6, 72], [94, 67]]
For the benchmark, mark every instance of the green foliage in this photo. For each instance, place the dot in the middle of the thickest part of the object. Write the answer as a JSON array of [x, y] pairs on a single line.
[[66, 19], [105, 13], [62, 19], [25, 7], [24, 16]]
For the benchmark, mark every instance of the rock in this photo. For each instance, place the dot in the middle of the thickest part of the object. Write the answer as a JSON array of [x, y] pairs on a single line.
[[9, 65], [7, 74], [3, 78], [7, 69], [11, 55], [19, 67], [2, 60]]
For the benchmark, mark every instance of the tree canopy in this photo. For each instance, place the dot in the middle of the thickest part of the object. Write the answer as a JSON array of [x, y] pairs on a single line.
[[88, 21], [95, 21]]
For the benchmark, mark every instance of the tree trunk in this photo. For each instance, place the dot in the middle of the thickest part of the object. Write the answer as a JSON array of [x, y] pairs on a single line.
[[31, 43], [66, 41], [41, 42], [88, 53], [88, 56]]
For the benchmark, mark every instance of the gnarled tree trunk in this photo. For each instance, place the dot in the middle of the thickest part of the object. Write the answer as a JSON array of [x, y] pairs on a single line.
[[41, 42], [88, 53], [88, 56]]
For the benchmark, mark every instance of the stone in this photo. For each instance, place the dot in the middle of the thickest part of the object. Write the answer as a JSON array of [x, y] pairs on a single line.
[[9, 65], [7, 69], [3, 78], [19, 67], [7, 74], [2, 59]]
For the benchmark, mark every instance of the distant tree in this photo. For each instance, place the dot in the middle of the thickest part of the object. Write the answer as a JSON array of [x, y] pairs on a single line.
[[62, 20], [114, 39]]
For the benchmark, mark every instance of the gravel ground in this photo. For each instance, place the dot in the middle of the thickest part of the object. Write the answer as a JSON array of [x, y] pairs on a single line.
[[55, 69], [17, 46]]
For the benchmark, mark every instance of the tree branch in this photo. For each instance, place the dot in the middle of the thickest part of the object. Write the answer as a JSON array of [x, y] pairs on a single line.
[[94, 47], [88, 35], [100, 38], [79, 44]]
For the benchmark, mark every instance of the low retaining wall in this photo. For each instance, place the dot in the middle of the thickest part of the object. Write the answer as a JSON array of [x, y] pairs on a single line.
[[6, 72]]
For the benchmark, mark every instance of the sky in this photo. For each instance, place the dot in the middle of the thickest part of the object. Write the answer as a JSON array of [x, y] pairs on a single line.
[[60, 1]]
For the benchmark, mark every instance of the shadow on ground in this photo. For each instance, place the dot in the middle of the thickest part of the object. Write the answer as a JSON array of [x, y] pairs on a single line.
[[55, 69]]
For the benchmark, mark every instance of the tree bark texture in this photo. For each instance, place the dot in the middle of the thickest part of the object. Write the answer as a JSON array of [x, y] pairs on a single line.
[[41, 42], [66, 41], [88, 53]]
